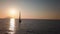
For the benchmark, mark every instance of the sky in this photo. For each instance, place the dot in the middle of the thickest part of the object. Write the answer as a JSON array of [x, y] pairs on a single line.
[[31, 9]]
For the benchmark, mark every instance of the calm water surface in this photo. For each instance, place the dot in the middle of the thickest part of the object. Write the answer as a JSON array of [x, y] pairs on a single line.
[[29, 26], [8, 26]]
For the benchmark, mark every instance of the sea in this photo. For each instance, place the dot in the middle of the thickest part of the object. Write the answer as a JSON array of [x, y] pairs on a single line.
[[29, 26]]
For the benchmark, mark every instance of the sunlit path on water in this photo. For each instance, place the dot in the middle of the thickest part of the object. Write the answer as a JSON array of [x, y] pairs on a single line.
[[12, 25]]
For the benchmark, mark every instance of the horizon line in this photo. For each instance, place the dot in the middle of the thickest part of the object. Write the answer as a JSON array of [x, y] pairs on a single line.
[[28, 18]]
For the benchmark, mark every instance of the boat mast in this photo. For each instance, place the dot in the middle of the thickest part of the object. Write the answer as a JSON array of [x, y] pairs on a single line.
[[19, 17]]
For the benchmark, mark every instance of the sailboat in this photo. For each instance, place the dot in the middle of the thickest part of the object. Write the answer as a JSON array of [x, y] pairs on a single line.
[[19, 17]]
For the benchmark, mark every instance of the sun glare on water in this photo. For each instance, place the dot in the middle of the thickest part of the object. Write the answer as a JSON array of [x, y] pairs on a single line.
[[12, 24]]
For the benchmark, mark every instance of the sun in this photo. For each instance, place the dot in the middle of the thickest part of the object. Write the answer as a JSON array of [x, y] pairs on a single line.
[[12, 12]]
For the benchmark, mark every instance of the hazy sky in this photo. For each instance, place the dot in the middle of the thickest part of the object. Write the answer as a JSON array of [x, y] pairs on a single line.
[[37, 9]]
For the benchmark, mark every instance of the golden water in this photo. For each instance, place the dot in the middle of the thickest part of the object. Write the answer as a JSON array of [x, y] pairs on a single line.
[[12, 25]]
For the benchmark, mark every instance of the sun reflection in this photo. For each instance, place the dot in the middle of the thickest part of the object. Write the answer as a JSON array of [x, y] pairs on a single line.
[[12, 24], [11, 32]]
